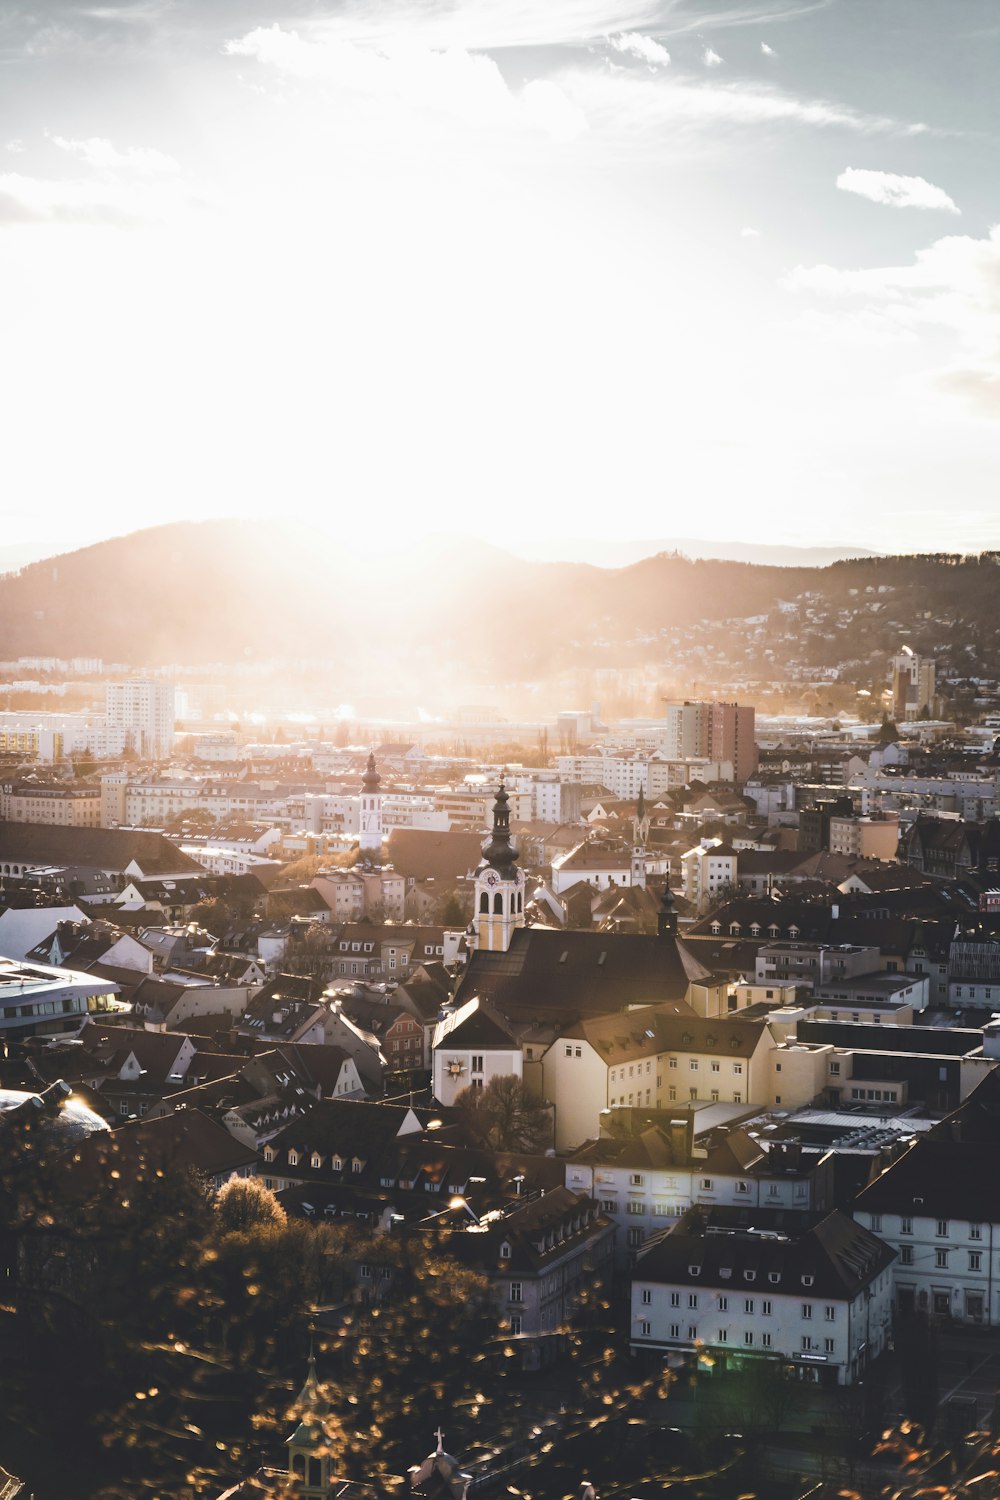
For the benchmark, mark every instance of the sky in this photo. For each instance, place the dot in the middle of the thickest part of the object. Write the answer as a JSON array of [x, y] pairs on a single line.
[[521, 269]]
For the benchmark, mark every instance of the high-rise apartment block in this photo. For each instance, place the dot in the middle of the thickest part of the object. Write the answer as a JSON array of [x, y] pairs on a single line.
[[720, 731], [144, 709], [912, 686]]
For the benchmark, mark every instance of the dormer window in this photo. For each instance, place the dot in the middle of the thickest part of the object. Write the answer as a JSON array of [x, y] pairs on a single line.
[[316, 1160], [749, 1275], [505, 1251], [357, 1164], [694, 1270], [336, 1164], [808, 1280], [774, 1277], [269, 1153], [293, 1158]]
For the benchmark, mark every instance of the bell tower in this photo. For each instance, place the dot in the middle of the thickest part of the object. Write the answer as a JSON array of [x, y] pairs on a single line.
[[309, 1463], [640, 833], [499, 883], [370, 840]]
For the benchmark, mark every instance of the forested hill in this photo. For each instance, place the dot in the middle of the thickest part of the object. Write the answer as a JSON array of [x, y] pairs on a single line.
[[222, 591]]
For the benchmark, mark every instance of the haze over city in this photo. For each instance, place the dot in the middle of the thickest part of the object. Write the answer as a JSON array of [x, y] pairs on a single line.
[[671, 268]]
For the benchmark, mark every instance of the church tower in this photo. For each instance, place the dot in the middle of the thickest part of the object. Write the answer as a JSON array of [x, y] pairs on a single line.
[[370, 841], [499, 883], [640, 834], [309, 1463]]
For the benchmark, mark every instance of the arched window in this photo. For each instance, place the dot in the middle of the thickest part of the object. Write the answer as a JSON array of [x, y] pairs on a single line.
[[519, 900], [484, 902], [498, 905]]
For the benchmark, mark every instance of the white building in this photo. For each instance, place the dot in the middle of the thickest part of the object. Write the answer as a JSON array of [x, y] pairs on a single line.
[[819, 1300], [470, 1047], [708, 871], [144, 710]]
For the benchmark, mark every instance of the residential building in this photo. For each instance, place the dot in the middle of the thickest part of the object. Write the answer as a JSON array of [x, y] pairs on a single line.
[[144, 709], [728, 1285]]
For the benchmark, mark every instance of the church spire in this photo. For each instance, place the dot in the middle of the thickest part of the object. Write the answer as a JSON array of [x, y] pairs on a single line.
[[370, 840], [499, 850], [499, 882]]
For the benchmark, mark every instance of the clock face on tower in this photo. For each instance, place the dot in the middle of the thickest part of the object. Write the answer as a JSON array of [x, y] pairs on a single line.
[[492, 879]]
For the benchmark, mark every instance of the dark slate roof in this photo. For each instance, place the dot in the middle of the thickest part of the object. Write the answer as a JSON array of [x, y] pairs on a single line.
[[423, 854], [580, 973], [940, 1179], [935, 1041], [474, 1024], [838, 1254], [186, 1138], [96, 848]]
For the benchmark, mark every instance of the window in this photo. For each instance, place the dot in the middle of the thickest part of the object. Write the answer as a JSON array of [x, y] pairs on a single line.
[[692, 1331], [706, 1184], [675, 1299], [975, 1260], [942, 1228], [505, 1251], [829, 1345], [807, 1309], [743, 1187], [634, 1238], [366, 1273], [765, 1307], [609, 1205], [715, 1067], [515, 1292], [829, 1312], [477, 1063], [806, 1342], [636, 1179], [723, 1336], [975, 1231], [905, 1226], [636, 1208], [941, 1259], [748, 1338], [765, 1340], [748, 1305], [723, 1304], [876, 1223], [692, 1299], [645, 1329], [906, 1255], [515, 1323], [737, 1068], [693, 1065], [647, 1296]]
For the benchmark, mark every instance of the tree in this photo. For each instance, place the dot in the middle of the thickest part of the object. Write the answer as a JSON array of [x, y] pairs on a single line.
[[245, 1203], [888, 732], [507, 1117]]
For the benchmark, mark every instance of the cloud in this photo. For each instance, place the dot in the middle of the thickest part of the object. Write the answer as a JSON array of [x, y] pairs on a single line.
[[632, 102], [102, 155], [711, 58], [952, 285], [644, 47], [33, 200], [16, 146], [747, 233], [898, 192], [767, 51], [453, 82]]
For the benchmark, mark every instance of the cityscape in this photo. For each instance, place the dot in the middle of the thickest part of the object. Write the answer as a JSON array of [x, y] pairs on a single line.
[[499, 750]]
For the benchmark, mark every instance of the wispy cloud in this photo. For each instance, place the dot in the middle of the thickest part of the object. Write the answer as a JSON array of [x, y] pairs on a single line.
[[102, 155], [767, 51], [896, 191], [711, 58], [34, 200], [644, 47]]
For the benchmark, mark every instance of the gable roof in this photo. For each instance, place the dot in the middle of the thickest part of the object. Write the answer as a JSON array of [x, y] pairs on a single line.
[[94, 848], [547, 973]]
